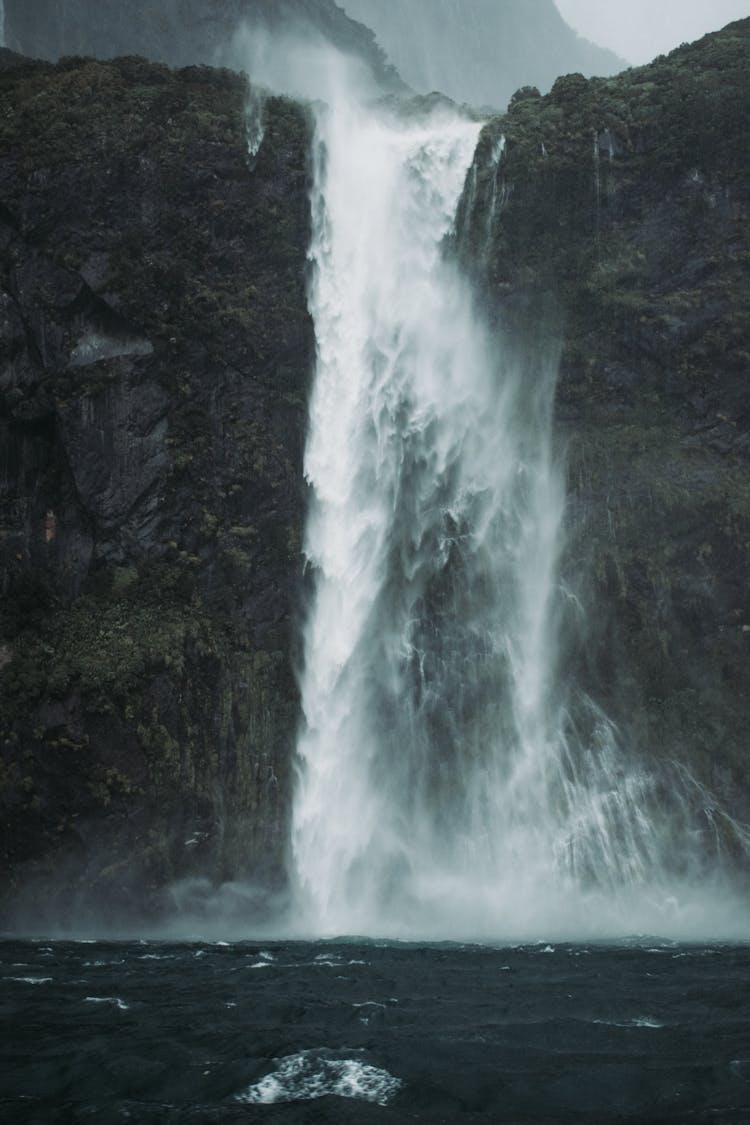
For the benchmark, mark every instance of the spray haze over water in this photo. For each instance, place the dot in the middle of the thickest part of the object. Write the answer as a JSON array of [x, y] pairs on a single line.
[[452, 782]]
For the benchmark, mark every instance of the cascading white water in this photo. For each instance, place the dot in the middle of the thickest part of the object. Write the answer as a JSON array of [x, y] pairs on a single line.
[[446, 784], [454, 781]]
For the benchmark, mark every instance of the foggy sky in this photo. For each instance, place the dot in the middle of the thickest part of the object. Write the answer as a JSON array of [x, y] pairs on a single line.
[[638, 30]]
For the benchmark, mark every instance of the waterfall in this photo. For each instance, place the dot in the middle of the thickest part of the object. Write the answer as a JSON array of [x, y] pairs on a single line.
[[449, 781], [453, 778]]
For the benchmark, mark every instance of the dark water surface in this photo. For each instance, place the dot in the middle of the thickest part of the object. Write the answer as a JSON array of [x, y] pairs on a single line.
[[366, 1032]]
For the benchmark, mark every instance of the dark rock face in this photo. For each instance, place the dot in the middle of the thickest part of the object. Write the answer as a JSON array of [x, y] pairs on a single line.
[[627, 199], [155, 351]]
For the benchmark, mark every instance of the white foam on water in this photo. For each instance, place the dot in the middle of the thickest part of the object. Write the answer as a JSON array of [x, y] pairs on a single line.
[[30, 980], [327, 961], [266, 961], [638, 1021], [115, 1001], [318, 1074]]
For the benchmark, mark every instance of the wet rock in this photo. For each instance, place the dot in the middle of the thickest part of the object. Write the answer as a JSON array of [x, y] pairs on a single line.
[[625, 230], [155, 351]]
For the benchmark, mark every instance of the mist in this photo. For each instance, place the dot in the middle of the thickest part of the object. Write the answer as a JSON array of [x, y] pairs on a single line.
[[349, 830], [479, 51], [373, 563], [298, 62], [401, 154], [639, 30]]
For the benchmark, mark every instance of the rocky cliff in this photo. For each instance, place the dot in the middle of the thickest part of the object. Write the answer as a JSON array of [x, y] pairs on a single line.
[[155, 351], [619, 210]]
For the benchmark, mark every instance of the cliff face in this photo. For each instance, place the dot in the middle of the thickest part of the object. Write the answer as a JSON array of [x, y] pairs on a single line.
[[155, 351], [628, 200]]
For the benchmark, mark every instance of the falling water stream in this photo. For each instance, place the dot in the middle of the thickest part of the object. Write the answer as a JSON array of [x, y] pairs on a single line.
[[453, 778], [450, 781]]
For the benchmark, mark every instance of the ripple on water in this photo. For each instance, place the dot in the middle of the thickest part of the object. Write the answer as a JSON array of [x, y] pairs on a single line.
[[115, 1001], [30, 980]]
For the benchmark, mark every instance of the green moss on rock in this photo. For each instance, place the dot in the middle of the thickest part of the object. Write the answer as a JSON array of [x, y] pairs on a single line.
[[153, 396]]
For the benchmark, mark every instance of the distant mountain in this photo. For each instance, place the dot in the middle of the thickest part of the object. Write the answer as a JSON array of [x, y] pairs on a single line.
[[480, 51], [477, 51]]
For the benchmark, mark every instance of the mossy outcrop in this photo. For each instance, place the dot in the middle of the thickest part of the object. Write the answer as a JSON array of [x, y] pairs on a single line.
[[155, 352], [625, 204]]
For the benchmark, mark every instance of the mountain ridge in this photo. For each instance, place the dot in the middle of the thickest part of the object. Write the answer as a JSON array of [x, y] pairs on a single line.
[[479, 51]]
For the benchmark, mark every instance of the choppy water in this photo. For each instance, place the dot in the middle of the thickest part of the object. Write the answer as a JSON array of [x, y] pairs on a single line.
[[646, 1032]]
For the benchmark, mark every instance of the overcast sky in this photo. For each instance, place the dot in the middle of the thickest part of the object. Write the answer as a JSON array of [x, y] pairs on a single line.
[[638, 30]]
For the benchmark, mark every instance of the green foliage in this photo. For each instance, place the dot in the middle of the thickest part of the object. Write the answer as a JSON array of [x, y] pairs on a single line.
[[524, 94], [147, 691]]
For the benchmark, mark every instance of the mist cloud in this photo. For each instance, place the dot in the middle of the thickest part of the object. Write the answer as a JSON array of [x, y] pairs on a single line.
[[638, 30]]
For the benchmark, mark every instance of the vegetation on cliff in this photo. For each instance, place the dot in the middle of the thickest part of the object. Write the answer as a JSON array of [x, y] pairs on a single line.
[[626, 199], [155, 350]]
